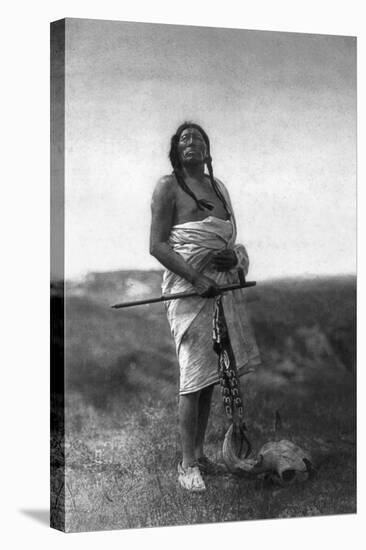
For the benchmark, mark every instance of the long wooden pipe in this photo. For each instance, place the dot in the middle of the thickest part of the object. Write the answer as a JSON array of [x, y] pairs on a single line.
[[242, 284]]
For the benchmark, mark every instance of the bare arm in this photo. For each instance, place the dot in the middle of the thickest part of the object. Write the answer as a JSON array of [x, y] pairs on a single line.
[[162, 215]]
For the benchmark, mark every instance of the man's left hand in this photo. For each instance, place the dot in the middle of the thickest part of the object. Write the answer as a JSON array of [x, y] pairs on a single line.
[[225, 260]]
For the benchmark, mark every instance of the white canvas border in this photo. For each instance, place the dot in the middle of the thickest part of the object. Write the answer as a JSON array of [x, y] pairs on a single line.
[[25, 266]]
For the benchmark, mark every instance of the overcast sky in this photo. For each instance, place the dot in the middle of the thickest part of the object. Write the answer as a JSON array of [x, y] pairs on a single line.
[[280, 111]]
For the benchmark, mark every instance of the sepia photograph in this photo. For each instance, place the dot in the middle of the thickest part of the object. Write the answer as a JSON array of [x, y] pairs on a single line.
[[203, 275]]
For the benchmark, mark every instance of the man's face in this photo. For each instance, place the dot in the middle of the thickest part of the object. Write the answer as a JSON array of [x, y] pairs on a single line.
[[192, 147]]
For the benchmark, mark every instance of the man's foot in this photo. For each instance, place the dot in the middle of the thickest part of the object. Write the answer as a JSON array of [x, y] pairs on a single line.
[[190, 478], [208, 467]]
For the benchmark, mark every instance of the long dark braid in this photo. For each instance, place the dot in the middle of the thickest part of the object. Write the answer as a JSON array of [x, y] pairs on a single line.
[[177, 168], [214, 184]]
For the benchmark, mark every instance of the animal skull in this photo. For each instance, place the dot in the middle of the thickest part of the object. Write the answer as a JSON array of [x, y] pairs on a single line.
[[283, 461]]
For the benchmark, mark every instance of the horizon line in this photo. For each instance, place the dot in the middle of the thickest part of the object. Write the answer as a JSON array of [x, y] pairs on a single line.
[[85, 275]]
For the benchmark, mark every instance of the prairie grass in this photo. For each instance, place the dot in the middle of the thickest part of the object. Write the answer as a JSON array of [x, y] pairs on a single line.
[[122, 446]]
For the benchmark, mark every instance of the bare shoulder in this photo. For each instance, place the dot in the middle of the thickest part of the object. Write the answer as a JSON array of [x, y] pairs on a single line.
[[165, 189], [162, 210], [223, 188], [221, 184]]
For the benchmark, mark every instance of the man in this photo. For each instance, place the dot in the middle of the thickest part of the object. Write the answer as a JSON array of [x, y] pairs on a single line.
[[193, 235]]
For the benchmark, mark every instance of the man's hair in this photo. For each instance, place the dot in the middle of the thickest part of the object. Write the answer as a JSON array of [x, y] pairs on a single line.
[[177, 167]]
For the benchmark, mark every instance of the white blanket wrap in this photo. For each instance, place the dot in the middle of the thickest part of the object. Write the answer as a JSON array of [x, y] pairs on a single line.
[[190, 319]]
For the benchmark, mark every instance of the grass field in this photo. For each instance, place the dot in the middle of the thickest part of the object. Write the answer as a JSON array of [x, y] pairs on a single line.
[[122, 445]]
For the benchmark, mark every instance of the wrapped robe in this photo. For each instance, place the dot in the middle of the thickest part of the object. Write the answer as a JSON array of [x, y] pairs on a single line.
[[190, 319]]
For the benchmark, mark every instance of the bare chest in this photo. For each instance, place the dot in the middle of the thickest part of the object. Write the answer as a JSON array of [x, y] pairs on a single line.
[[187, 210]]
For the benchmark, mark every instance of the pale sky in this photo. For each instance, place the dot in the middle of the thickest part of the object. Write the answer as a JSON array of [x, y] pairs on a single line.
[[280, 111]]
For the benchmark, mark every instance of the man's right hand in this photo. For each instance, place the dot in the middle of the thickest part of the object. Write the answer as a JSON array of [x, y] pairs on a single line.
[[206, 287]]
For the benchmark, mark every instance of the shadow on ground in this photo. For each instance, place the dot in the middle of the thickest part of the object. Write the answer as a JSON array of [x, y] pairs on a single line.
[[42, 516]]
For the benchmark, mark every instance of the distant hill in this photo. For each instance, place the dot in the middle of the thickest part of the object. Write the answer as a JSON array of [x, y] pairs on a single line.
[[290, 312], [304, 328], [114, 286]]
